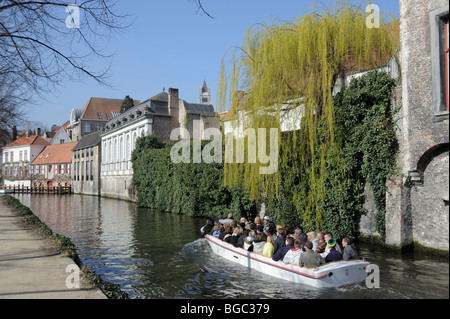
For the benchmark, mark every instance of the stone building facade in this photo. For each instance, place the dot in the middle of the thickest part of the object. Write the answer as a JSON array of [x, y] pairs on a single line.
[[159, 115], [417, 210], [86, 159]]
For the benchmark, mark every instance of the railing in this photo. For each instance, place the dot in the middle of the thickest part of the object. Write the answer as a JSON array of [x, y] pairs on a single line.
[[57, 190]]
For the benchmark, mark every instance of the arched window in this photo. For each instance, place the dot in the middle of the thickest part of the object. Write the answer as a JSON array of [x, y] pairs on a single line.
[[134, 141], [128, 147], [121, 149]]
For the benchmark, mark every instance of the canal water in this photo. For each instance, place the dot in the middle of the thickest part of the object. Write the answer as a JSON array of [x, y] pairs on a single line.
[[158, 255]]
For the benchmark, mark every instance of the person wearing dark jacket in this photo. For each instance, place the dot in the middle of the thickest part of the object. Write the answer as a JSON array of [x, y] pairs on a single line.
[[280, 240], [207, 229], [289, 244], [349, 249], [227, 232], [333, 255], [233, 239]]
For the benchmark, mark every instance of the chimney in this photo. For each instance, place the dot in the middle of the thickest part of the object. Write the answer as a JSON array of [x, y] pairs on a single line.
[[38, 131], [174, 109]]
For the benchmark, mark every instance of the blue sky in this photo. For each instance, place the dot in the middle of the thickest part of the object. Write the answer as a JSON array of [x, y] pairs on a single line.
[[169, 45]]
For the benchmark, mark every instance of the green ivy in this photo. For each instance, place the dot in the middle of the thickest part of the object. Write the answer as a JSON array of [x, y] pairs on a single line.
[[367, 144], [366, 154], [365, 118]]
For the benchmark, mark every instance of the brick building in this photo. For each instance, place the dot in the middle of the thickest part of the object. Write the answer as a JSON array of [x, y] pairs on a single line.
[[93, 117], [417, 200], [53, 166]]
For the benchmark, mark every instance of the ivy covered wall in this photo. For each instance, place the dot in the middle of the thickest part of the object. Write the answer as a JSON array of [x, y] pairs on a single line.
[[365, 132]]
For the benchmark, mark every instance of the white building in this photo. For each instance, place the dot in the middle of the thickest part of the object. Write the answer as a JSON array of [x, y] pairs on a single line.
[[159, 115], [118, 142], [17, 159]]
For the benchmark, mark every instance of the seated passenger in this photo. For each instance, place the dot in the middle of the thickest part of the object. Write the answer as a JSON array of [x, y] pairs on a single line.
[[269, 247], [268, 224], [240, 241], [333, 254], [327, 237], [322, 244], [233, 239], [293, 255], [208, 228], [280, 241], [349, 249], [259, 243], [300, 235], [312, 238], [252, 227], [309, 259], [279, 255], [248, 243], [226, 232], [217, 230]]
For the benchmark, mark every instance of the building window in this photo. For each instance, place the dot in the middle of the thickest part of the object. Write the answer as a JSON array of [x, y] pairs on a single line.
[[6, 157], [98, 127], [107, 116], [87, 128], [20, 156], [99, 116], [62, 141], [440, 63]]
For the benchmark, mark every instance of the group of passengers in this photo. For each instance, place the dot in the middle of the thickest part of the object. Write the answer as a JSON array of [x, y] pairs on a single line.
[[281, 243]]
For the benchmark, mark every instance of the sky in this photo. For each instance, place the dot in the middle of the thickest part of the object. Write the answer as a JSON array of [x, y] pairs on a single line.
[[169, 45]]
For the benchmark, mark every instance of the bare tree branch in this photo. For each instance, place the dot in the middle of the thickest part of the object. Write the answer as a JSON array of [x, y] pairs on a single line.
[[37, 46], [201, 8]]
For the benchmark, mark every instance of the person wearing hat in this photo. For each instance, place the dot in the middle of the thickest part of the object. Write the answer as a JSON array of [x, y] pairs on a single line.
[[248, 243], [268, 224], [333, 254]]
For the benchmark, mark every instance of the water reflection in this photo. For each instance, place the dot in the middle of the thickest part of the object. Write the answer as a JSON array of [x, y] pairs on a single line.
[[157, 255]]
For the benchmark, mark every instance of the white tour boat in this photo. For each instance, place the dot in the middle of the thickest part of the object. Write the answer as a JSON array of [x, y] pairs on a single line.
[[334, 274]]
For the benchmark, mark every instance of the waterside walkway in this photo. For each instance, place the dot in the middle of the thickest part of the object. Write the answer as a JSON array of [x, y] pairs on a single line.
[[30, 268]]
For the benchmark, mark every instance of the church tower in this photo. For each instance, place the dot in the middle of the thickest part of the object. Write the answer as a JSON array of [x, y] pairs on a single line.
[[205, 94]]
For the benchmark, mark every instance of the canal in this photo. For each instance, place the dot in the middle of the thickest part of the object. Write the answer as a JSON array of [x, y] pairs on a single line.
[[158, 255]]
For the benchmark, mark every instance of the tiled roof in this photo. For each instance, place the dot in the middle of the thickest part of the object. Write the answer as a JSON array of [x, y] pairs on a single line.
[[103, 106], [55, 154], [90, 140], [63, 127], [24, 141]]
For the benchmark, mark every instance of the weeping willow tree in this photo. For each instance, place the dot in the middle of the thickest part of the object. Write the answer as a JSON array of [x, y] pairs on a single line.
[[284, 74]]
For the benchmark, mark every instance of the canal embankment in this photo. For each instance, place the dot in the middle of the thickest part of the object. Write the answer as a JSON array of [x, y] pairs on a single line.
[[37, 264]]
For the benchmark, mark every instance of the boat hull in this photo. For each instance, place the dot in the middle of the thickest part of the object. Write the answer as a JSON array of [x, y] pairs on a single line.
[[334, 274]]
